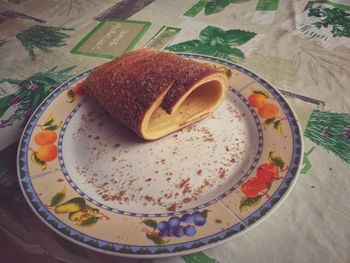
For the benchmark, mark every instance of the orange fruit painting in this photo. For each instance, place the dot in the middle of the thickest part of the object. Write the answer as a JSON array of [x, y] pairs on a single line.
[[254, 186], [45, 137], [268, 172], [47, 153], [268, 111], [257, 100]]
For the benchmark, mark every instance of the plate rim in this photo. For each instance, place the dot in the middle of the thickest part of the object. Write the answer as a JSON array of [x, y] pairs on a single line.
[[185, 250]]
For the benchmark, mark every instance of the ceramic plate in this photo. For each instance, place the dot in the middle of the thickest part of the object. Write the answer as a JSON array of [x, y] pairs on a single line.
[[97, 184]]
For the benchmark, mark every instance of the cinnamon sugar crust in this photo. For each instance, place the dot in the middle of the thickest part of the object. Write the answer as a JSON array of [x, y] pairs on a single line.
[[128, 86]]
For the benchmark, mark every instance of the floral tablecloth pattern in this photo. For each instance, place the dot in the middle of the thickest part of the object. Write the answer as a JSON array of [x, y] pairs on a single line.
[[301, 47]]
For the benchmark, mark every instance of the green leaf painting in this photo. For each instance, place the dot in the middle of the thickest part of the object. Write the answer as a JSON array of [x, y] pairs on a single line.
[[337, 19], [157, 239], [331, 131], [31, 91], [205, 213], [78, 211], [89, 221], [196, 8], [42, 37], [216, 42], [40, 163], [306, 161], [211, 6], [198, 257], [267, 5], [4, 103], [185, 46], [236, 37], [150, 223], [276, 159], [268, 122], [247, 202], [216, 6], [58, 197]]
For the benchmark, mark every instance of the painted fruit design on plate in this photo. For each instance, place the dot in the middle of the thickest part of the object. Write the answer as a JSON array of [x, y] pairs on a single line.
[[78, 211], [77, 90], [266, 109], [226, 70], [255, 188], [175, 226], [45, 139]]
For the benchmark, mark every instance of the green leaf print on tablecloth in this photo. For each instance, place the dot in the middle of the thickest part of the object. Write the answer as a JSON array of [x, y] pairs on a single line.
[[216, 6], [331, 131], [216, 42], [210, 6], [30, 93], [42, 37], [267, 5], [198, 257], [324, 22], [306, 161], [196, 9], [337, 19]]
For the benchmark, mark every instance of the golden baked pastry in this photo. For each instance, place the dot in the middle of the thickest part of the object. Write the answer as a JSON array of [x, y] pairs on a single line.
[[156, 93]]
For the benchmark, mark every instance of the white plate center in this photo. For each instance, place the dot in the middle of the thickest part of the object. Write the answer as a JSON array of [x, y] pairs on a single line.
[[110, 164]]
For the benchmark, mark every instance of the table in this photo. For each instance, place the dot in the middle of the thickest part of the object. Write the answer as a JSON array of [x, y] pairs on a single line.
[[301, 47]]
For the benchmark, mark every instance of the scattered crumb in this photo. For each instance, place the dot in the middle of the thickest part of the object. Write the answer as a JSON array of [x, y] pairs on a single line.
[[187, 200], [222, 173], [148, 198], [172, 207], [121, 184]]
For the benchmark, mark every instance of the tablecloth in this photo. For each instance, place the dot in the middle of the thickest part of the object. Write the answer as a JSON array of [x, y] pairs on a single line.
[[301, 47]]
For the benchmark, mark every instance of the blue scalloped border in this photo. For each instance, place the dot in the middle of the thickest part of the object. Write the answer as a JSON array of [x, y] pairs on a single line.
[[50, 219]]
